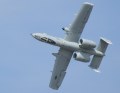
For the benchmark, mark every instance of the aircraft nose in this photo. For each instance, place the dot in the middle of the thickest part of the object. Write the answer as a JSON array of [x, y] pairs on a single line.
[[33, 35]]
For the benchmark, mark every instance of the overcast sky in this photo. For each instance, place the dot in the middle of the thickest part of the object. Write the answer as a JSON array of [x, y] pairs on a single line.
[[26, 64]]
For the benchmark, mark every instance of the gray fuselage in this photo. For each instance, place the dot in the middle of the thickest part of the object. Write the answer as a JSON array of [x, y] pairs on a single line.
[[71, 46]]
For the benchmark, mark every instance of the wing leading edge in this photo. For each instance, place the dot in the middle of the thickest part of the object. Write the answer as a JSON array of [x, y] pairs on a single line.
[[76, 28]]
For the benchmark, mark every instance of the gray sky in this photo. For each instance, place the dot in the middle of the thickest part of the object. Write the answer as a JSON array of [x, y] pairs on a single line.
[[25, 63]]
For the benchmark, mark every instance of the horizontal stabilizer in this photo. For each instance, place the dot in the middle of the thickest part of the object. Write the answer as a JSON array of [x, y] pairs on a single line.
[[97, 71], [96, 61]]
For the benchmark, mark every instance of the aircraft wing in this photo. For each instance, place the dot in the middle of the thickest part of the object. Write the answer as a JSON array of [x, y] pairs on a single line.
[[61, 63], [76, 28], [63, 56]]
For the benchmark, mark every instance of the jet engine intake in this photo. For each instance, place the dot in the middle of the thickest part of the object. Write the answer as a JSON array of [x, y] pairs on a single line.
[[80, 56], [87, 44]]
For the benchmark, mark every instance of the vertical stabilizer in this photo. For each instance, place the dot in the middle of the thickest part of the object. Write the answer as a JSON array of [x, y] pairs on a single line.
[[96, 61], [103, 45]]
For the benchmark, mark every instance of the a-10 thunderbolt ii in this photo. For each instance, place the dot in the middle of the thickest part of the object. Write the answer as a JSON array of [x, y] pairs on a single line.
[[71, 45]]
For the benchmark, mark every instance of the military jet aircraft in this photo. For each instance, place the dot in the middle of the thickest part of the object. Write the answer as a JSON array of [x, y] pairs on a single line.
[[72, 45]]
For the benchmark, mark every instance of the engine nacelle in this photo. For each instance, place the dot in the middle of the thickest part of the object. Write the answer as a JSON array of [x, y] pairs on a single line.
[[80, 56], [88, 44]]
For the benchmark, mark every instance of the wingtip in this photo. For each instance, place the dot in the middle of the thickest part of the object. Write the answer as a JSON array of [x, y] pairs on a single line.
[[95, 70], [106, 40], [87, 3]]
